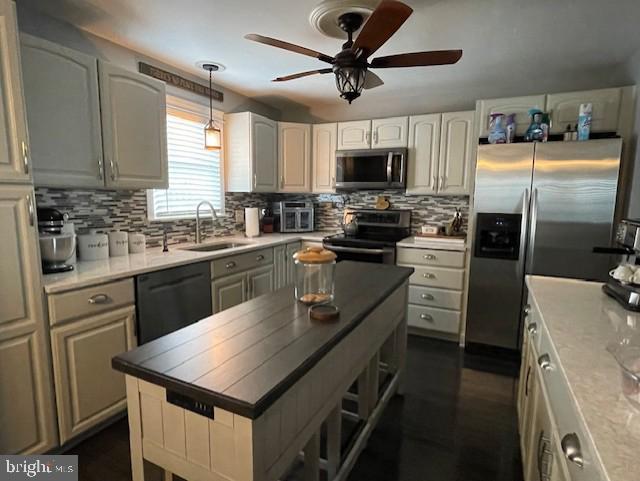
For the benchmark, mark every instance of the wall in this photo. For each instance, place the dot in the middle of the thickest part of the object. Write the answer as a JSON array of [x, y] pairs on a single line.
[[106, 210]]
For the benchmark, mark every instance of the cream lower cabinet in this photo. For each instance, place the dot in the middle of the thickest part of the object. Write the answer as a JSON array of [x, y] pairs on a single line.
[[436, 290], [260, 281], [284, 265], [88, 390], [27, 408]]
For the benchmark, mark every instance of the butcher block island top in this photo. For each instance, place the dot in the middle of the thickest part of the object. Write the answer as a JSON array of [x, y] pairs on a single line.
[[238, 395]]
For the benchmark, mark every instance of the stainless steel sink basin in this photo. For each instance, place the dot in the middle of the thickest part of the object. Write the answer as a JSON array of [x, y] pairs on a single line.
[[218, 246]]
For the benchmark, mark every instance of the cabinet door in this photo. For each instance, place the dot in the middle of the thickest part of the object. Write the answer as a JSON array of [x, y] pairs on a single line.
[[517, 105], [606, 109], [229, 291], [540, 456], [134, 129], [354, 135], [389, 133], [424, 153], [294, 157], [280, 266], [264, 148], [26, 392], [88, 390], [260, 281], [292, 248], [456, 146], [323, 159], [65, 132], [14, 142]]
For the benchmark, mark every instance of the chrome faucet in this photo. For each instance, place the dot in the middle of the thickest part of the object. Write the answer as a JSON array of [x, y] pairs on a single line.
[[214, 216]]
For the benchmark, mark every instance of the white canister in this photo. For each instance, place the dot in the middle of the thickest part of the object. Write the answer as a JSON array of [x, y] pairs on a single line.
[[137, 243], [118, 243], [93, 247]]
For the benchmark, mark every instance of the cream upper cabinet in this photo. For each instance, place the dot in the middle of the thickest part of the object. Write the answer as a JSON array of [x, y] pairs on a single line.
[[323, 157], [251, 153], [516, 105], [389, 133], [423, 154], [14, 143], [564, 109], [134, 129], [294, 157], [63, 109], [26, 393], [88, 390], [456, 147], [354, 135]]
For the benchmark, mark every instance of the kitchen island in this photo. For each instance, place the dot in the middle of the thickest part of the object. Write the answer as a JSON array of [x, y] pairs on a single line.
[[240, 394]]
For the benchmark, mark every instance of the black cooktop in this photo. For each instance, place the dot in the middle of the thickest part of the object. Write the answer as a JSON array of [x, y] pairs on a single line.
[[368, 240]]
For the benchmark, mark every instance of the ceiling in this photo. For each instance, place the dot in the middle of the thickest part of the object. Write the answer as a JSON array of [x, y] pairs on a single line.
[[511, 47]]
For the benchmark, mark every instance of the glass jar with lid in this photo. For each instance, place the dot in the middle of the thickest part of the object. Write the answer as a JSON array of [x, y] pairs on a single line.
[[315, 268]]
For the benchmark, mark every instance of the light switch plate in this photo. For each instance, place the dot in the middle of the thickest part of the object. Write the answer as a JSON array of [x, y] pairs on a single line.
[[239, 216]]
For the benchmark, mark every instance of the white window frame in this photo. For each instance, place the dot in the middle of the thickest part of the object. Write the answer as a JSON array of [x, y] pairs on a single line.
[[198, 109]]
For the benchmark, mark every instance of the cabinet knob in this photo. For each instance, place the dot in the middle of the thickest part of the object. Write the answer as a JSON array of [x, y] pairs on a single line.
[[428, 297], [99, 299], [428, 275], [112, 168], [426, 317], [100, 169], [230, 265], [544, 362], [430, 257], [260, 258], [571, 448], [25, 157], [527, 309], [532, 328]]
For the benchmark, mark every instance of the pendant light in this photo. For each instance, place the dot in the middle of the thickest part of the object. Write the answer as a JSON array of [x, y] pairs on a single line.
[[212, 134]]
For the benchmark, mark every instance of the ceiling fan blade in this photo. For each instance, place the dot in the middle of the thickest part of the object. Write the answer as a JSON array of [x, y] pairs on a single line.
[[372, 81], [418, 59], [274, 42], [302, 74], [385, 20]]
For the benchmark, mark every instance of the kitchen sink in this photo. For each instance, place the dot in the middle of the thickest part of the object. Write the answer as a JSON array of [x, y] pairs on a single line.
[[218, 246]]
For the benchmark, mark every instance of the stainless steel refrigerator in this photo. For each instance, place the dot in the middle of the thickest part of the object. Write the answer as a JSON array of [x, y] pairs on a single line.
[[539, 208]]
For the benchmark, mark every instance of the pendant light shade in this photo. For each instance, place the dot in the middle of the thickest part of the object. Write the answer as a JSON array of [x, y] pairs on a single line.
[[212, 134]]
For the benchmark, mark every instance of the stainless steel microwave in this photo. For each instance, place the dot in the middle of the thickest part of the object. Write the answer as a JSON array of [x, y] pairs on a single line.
[[371, 169]]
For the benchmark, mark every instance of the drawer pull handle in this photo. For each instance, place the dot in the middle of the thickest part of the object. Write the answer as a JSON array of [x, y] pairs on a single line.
[[544, 362], [527, 310], [428, 297], [532, 328], [99, 299], [260, 258], [571, 448], [428, 275], [430, 257], [230, 265], [426, 317]]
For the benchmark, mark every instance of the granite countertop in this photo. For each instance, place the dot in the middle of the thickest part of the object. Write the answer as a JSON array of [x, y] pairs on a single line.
[[89, 273], [444, 243], [277, 344], [581, 321]]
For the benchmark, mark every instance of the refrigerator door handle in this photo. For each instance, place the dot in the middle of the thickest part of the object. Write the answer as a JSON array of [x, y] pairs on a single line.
[[532, 229], [523, 232]]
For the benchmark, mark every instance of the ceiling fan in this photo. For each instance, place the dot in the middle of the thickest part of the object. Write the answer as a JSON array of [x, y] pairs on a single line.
[[351, 65]]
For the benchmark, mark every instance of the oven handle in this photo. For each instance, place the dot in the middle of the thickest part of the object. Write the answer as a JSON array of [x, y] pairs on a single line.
[[356, 250]]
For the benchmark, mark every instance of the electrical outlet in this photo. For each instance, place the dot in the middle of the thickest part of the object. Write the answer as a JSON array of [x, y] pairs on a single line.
[[239, 216]]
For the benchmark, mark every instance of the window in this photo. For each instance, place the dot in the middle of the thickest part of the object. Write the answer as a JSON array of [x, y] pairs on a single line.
[[195, 174]]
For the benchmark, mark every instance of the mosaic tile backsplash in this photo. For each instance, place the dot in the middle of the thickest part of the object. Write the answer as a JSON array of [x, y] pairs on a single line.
[[106, 210]]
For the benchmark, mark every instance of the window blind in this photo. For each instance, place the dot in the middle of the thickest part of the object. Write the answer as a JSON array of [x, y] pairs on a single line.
[[194, 172]]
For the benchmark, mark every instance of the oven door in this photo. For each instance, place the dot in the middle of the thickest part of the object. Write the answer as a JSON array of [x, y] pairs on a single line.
[[384, 255], [370, 169]]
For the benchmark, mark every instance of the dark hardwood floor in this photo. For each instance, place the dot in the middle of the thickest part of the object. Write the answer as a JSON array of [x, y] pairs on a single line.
[[456, 422]]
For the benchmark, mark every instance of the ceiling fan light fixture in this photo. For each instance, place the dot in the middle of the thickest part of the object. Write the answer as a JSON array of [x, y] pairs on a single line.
[[350, 81]]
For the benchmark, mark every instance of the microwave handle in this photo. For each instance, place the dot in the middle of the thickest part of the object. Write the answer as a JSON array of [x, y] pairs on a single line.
[[389, 166]]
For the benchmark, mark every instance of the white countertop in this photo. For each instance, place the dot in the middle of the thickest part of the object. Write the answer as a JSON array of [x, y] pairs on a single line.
[[581, 321], [449, 244], [89, 273]]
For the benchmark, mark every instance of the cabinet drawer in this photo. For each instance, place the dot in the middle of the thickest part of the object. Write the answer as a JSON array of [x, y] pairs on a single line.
[[433, 319], [241, 262], [438, 277], [430, 257], [429, 296], [91, 300]]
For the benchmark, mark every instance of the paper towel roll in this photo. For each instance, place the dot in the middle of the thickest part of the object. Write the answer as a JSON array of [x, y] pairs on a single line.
[[251, 222]]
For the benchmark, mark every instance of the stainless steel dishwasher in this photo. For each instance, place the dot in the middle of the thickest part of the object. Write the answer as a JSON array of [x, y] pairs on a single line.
[[171, 299]]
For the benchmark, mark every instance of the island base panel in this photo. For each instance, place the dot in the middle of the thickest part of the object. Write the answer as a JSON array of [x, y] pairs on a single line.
[[232, 447]]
